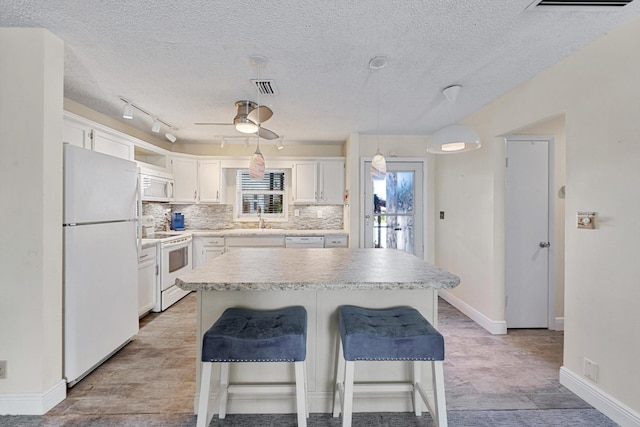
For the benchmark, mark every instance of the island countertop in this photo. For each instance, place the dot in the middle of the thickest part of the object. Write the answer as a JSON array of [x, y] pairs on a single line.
[[265, 269]]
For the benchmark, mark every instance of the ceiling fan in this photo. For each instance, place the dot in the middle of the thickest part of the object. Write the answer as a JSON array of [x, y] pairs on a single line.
[[249, 119]]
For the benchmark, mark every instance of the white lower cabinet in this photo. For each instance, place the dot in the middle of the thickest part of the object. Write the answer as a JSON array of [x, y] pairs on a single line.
[[147, 279], [273, 241], [337, 241], [206, 248]]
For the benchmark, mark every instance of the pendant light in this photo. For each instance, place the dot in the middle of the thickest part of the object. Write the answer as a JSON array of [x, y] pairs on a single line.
[[256, 163], [454, 138], [378, 168]]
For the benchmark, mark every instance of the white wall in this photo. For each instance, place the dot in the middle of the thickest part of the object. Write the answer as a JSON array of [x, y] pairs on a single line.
[[598, 91], [31, 79]]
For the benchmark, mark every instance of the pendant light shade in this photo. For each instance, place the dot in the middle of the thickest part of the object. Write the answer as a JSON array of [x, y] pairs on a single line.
[[256, 165], [378, 166], [454, 138]]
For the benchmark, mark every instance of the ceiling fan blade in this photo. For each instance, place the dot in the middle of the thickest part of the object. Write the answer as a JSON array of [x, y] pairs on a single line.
[[267, 134], [260, 114]]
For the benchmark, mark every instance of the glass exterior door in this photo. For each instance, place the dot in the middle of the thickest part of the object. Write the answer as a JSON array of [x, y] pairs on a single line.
[[393, 210]]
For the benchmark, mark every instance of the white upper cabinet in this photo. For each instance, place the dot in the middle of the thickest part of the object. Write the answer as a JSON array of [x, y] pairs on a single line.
[[112, 144], [209, 180], [76, 133], [196, 181], [331, 182], [185, 179], [305, 182], [318, 182]]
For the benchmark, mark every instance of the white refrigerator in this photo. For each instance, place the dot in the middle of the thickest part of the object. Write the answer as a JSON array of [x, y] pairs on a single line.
[[100, 258]]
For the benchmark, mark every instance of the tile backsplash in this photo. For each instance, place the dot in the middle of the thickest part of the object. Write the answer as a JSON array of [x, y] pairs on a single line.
[[220, 217]]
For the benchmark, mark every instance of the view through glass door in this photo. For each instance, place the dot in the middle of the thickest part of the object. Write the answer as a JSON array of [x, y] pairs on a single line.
[[393, 216]]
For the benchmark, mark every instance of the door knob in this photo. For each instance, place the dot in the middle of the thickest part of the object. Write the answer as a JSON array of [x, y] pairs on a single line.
[[545, 244]]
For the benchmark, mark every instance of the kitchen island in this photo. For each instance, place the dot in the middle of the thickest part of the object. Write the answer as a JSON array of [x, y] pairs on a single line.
[[320, 280]]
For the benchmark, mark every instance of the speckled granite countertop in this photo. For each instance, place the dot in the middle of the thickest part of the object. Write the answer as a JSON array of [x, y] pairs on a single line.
[[254, 269], [263, 232]]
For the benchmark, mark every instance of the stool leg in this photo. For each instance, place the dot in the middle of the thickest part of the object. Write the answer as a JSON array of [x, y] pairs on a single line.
[[417, 379], [301, 395], [203, 404], [440, 417], [224, 390], [347, 404], [339, 387], [306, 390]]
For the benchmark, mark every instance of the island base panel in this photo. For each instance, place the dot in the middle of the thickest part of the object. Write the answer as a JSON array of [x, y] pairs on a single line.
[[321, 349]]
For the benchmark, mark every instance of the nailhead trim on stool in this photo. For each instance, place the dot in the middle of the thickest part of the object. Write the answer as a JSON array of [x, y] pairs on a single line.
[[398, 333], [245, 335]]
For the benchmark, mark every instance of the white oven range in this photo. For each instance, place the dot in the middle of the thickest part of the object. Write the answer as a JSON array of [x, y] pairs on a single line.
[[175, 259]]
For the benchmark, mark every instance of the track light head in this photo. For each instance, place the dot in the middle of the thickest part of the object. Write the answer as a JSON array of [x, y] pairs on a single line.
[[155, 127], [127, 111], [171, 137]]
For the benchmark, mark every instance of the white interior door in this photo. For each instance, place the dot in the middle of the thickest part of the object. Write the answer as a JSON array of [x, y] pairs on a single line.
[[527, 233], [393, 208]]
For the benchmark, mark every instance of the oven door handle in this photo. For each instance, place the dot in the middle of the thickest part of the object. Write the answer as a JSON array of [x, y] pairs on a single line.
[[174, 244]]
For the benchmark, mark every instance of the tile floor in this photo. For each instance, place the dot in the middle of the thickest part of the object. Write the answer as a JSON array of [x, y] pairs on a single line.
[[155, 373]]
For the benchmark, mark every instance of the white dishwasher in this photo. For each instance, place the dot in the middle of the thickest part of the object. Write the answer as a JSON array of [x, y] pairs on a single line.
[[304, 242]]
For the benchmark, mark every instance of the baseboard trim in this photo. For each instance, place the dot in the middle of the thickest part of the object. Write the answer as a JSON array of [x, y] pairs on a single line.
[[495, 327], [611, 407], [559, 324], [33, 403]]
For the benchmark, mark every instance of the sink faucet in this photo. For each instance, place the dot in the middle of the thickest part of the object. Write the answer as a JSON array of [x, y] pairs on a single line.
[[260, 220]]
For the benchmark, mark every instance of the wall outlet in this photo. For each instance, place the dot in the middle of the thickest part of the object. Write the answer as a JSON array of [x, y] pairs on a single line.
[[296, 212], [590, 370], [319, 214], [3, 369]]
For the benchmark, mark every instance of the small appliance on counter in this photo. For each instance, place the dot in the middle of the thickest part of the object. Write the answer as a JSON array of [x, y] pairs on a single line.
[[177, 221], [148, 226]]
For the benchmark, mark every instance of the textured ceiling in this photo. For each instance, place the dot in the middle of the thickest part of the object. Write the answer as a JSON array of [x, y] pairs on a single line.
[[188, 61]]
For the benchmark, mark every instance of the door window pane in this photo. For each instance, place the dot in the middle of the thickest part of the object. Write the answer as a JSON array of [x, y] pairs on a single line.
[[393, 211]]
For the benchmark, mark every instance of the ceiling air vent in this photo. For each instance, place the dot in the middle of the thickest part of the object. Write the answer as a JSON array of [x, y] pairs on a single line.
[[265, 87], [582, 5]]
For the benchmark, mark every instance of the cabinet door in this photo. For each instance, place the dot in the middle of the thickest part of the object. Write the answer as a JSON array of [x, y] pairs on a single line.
[[305, 182], [113, 145], [209, 181], [332, 182], [147, 285], [206, 248], [210, 252], [77, 134], [185, 177]]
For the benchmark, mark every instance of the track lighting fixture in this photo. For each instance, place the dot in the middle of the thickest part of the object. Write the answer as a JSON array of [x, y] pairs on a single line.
[[223, 143], [127, 113], [279, 144]]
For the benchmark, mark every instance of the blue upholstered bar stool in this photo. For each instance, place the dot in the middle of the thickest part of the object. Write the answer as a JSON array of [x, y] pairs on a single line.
[[399, 333], [244, 335]]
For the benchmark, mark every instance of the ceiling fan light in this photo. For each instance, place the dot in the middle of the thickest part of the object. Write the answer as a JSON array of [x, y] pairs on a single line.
[[454, 138], [245, 125]]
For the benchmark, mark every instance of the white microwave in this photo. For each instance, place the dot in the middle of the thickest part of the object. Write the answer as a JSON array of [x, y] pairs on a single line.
[[155, 186]]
